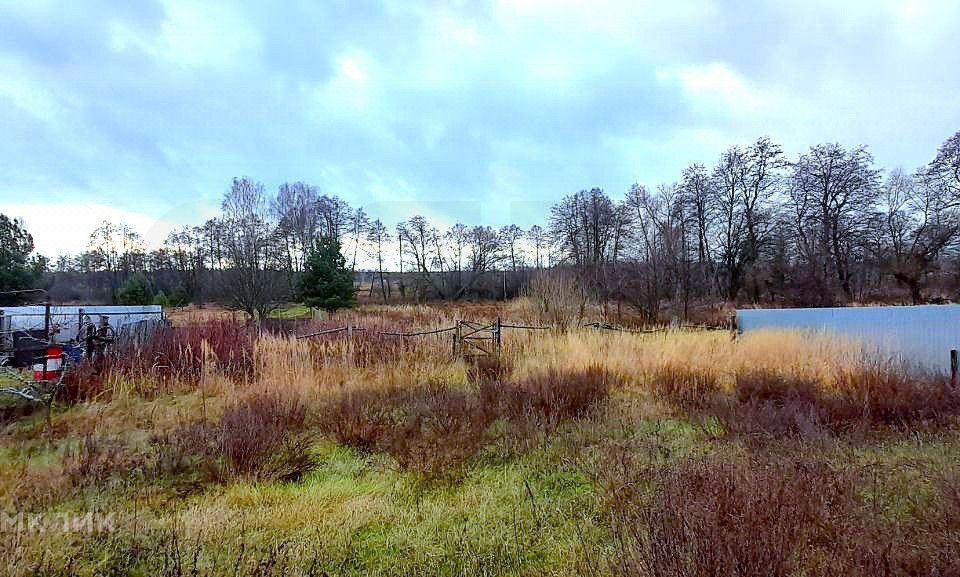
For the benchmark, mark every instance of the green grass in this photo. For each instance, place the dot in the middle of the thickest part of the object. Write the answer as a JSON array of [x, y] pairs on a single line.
[[532, 509], [291, 311], [365, 518], [356, 515]]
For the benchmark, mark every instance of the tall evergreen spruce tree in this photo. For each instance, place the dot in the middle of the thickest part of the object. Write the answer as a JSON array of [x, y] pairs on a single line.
[[137, 291], [327, 283]]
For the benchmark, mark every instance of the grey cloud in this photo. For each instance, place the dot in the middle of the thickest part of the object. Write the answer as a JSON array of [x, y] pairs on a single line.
[[452, 100]]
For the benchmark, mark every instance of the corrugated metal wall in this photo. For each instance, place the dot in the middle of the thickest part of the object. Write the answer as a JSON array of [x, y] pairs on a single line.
[[919, 335]]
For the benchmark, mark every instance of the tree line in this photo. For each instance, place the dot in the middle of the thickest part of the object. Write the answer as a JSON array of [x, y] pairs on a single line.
[[823, 228]]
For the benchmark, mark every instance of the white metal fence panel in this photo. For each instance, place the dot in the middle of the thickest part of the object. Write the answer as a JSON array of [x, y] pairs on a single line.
[[918, 335], [66, 320]]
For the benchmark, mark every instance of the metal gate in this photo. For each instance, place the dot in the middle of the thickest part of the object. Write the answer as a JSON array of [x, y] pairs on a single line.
[[478, 340]]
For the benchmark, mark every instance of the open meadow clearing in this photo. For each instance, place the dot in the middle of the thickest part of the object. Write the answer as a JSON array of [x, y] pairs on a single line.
[[447, 288], [216, 450]]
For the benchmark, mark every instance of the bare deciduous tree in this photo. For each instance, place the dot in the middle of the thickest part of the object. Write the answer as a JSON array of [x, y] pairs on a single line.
[[811, 232], [584, 227], [538, 240], [248, 237], [831, 191], [943, 172], [511, 236], [333, 216], [295, 209], [378, 236], [917, 224]]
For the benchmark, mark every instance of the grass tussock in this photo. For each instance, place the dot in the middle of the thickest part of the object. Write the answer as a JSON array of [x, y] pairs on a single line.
[[553, 300], [687, 389], [96, 460], [317, 366], [891, 395]]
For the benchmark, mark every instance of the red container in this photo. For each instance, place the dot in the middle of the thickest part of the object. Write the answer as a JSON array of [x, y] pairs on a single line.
[[52, 367]]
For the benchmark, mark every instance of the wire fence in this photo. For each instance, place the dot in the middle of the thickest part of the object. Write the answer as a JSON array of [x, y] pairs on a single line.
[[498, 325]]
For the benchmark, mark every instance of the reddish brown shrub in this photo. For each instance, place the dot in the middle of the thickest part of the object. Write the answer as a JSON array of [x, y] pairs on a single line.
[[871, 396], [177, 353], [710, 517], [714, 516], [869, 543], [437, 432], [359, 418], [868, 551], [770, 402], [950, 492], [887, 394], [257, 437], [550, 397], [688, 390], [431, 431], [171, 354], [83, 381], [97, 459], [764, 385], [483, 369]]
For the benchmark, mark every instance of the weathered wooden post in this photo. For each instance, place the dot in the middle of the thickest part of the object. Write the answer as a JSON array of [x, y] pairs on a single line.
[[456, 339], [496, 335], [953, 368]]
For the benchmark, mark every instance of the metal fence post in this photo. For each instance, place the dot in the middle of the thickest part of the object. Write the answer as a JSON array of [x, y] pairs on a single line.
[[46, 319], [953, 368]]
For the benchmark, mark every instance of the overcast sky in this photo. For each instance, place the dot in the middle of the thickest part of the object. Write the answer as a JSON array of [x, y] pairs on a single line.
[[485, 112]]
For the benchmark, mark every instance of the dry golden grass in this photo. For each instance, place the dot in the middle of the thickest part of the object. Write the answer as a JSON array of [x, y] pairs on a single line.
[[332, 362], [315, 366], [311, 367], [637, 356], [194, 314], [119, 415]]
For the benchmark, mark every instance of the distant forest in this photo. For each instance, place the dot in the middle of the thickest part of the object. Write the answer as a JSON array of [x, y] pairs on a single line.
[[825, 228]]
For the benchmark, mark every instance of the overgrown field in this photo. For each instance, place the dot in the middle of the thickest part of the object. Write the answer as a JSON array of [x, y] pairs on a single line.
[[217, 450]]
